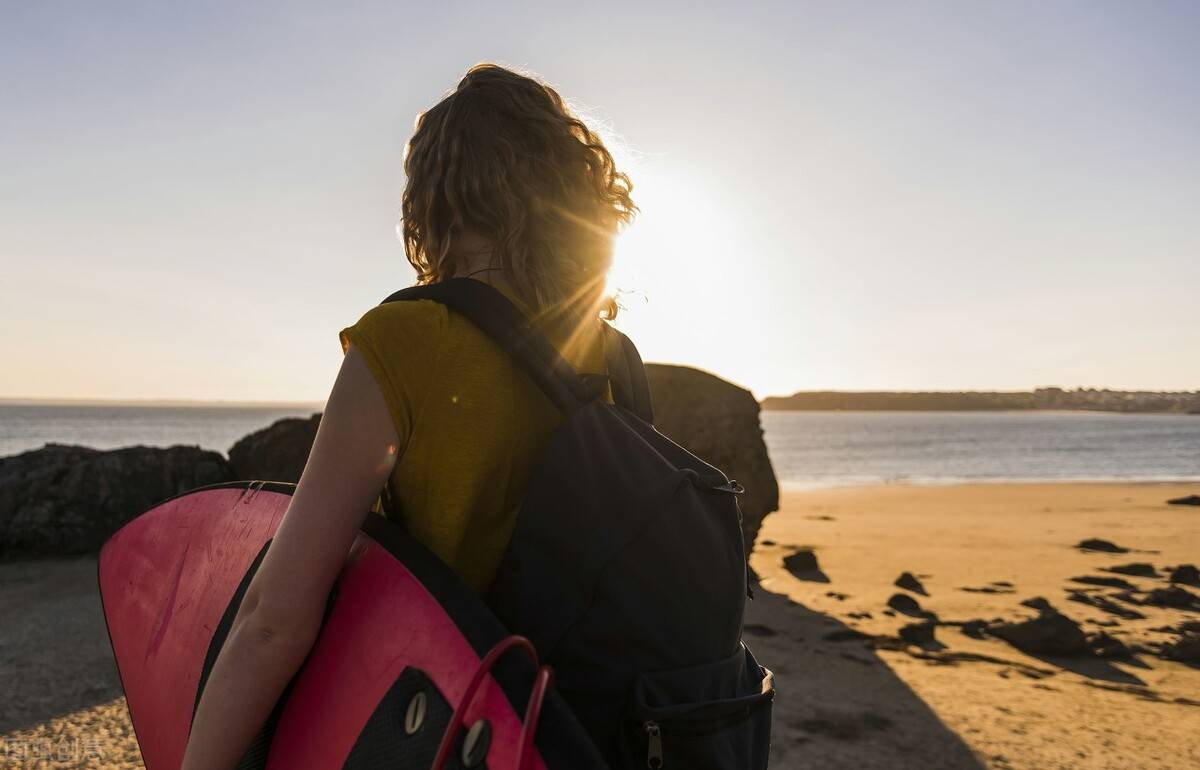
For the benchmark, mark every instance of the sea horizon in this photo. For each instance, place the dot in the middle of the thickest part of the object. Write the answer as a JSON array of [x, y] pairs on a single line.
[[808, 449]]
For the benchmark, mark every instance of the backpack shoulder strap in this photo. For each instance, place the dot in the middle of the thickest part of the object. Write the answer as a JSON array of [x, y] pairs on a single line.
[[627, 374], [493, 314]]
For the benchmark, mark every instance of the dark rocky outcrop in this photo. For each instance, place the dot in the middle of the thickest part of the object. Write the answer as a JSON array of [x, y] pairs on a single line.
[[1039, 603], [1097, 544], [1105, 645], [1050, 633], [908, 581], [61, 500], [718, 421], [1137, 569], [1172, 597], [1101, 580], [1186, 648], [1186, 500], [1104, 604], [906, 605], [1186, 574], [277, 452], [802, 564], [919, 633]]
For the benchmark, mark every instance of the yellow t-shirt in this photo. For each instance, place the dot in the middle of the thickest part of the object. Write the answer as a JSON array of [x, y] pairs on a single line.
[[471, 426]]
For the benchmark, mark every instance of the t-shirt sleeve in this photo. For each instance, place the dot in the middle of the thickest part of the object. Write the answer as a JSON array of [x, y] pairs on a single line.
[[399, 342]]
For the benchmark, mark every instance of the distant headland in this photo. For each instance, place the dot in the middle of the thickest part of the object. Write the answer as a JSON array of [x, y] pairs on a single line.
[[1082, 399]]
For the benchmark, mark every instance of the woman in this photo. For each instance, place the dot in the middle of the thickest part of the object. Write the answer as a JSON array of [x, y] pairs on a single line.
[[504, 186]]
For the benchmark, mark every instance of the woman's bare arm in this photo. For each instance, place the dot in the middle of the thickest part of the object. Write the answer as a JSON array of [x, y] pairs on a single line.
[[351, 458]]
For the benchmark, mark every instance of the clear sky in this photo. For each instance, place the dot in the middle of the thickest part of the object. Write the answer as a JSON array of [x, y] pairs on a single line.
[[196, 197]]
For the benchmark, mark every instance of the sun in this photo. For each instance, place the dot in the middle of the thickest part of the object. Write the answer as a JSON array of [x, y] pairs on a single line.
[[677, 270], [681, 240]]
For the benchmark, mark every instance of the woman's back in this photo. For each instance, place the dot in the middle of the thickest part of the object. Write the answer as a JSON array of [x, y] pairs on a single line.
[[470, 425]]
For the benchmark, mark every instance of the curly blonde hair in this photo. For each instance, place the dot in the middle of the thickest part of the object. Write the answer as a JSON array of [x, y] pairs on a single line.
[[502, 157]]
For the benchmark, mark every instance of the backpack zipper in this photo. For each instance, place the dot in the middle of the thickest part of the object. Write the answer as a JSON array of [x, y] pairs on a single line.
[[654, 746], [654, 751]]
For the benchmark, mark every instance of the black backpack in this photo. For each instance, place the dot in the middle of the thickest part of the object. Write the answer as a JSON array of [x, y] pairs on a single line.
[[627, 567]]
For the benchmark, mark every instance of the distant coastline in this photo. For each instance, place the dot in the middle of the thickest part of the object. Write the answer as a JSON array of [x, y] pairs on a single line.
[[1056, 399]]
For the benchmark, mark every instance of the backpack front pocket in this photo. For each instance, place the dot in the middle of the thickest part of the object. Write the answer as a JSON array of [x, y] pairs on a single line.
[[716, 716]]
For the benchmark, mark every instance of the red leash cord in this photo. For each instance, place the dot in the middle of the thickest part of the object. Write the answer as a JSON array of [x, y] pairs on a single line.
[[533, 711]]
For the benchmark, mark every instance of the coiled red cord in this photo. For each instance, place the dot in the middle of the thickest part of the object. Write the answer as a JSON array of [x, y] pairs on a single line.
[[533, 711]]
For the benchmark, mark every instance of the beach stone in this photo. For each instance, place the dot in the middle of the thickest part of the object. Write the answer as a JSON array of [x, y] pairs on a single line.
[[1105, 645], [1096, 544], [802, 564], [63, 500], [1137, 569], [1171, 597], [1186, 500], [1183, 629], [278, 452], [801, 560], [1039, 603], [908, 581], [1050, 633], [1106, 605], [906, 605], [719, 422], [1100, 580], [1186, 649], [918, 633], [1186, 574]]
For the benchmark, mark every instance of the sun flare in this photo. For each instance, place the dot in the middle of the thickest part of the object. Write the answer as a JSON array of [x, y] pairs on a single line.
[[677, 264]]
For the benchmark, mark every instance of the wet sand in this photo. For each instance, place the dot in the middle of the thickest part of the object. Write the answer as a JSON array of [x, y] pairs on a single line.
[[844, 701]]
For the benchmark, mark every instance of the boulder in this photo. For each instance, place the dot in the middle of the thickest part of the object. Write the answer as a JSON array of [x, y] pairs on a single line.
[[1105, 645], [1186, 649], [63, 500], [278, 452], [1174, 596], [1039, 603], [801, 560], [1186, 500], [908, 581], [1097, 544], [1186, 574], [718, 421], [802, 564], [1137, 569], [906, 605], [1102, 603], [1049, 634], [918, 633], [1101, 580]]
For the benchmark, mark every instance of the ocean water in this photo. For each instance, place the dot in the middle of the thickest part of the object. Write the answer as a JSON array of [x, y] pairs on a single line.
[[819, 449], [808, 449], [108, 427]]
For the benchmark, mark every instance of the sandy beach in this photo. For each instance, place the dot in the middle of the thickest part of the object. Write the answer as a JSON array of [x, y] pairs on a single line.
[[976, 702], [846, 699]]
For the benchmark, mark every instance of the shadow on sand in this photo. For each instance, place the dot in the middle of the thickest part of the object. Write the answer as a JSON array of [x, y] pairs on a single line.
[[55, 656], [839, 705]]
